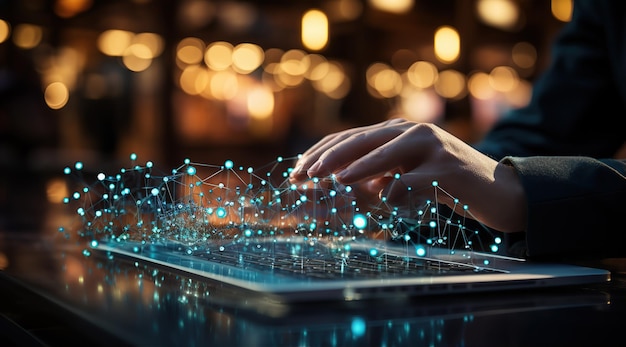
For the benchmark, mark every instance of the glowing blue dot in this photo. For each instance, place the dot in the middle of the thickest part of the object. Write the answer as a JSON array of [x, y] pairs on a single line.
[[67, 170], [248, 232], [94, 243], [420, 251], [187, 161], [81, 211], [348, 189], [373, 252], [133, 156], [293, 187], [332, 193], [221, 212], [98, 213], [191, 171], [432, 224], [498, 240], [359, 221], [228, 164], [333, 210], [303, 198], [149, 164], [494, 248], [165, 179], [396, 176], [154, 191], [435, 183], [279, 159], [250, 170], [78, 165], [76, 195], [486, 261], [465, 207], [358, 327], [86, 253]]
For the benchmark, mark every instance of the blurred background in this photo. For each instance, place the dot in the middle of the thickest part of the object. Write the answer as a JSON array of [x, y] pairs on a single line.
[[210, 80]]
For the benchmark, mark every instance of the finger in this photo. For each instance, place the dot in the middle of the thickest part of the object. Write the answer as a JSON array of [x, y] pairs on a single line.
[[333, 138], [310, 156], [400, 154], [357, 145], [313, 154]]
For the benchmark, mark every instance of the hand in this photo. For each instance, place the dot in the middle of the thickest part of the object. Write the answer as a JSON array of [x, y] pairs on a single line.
[[398, 159]]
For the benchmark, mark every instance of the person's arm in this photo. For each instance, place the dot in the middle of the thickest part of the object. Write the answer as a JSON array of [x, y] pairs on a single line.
[[575, 205], [578, 104]]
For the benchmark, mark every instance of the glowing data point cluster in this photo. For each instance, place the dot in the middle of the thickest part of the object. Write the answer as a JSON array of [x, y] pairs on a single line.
[[204, 205]]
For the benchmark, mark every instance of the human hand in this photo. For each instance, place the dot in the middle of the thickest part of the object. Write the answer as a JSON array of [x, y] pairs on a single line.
[[393, 158]]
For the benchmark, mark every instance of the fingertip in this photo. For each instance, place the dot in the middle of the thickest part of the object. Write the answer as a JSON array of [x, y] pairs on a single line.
[[314, 169]]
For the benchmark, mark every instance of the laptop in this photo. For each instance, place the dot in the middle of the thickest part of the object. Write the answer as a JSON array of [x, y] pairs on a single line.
[[251, 230]]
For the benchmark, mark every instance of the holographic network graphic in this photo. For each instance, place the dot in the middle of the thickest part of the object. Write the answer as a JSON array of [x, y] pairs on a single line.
[[203, 207]]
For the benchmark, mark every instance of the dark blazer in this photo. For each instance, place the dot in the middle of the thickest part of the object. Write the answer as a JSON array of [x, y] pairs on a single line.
[[563, 144]]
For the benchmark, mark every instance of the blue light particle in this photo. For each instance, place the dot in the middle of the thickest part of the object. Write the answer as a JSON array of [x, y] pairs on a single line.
[[191, 171], [133, 156], [228, 164], [221, 212], [358, 327], [420, 251], [359, 221], [67, 170], [78, 165]]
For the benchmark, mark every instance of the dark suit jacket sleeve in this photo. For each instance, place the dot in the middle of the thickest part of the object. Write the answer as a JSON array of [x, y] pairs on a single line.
[[576, 205]]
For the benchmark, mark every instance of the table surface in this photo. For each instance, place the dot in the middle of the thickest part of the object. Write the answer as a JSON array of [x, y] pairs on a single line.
[[54, 295]]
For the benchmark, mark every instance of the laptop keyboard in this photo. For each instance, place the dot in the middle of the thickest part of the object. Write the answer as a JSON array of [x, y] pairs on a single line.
[[319, 261]]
